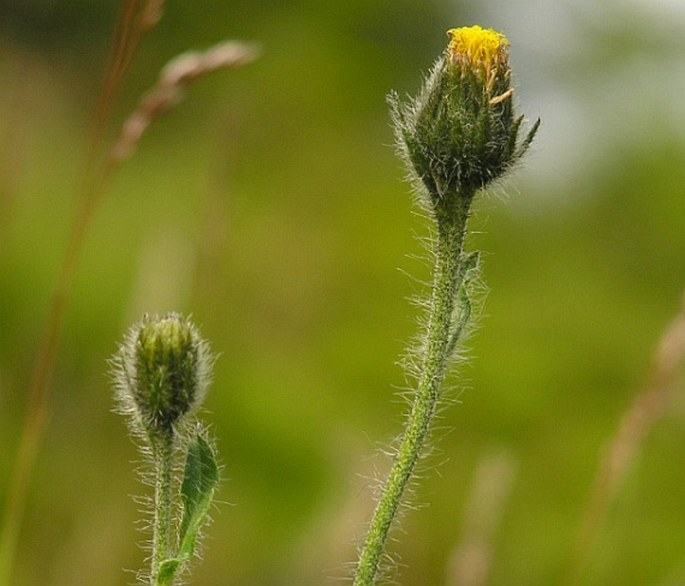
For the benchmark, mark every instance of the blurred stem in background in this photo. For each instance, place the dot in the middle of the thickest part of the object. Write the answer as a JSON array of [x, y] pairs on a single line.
[[456, 137], [472, 558], [137, 17], [647, 408]]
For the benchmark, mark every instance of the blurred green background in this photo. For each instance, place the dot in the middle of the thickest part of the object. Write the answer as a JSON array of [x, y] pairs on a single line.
[[270, 206]]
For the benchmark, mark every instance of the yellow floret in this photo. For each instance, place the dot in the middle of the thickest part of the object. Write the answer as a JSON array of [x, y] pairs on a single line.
[[481, 47]]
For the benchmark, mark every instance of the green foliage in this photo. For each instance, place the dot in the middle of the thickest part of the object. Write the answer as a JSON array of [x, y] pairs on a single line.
[[199, 482], [200, 478]]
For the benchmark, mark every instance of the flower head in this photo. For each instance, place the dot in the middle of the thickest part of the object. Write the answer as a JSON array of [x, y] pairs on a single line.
[[484, 48], [461, 133], [162, 372], [481, 51]]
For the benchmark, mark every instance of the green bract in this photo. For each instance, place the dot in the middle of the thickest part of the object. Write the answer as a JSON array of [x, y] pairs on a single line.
[[165, 367], [461, 132]]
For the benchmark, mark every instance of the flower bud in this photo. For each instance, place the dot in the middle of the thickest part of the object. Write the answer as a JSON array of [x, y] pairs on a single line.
[[460, 133], [163, 371]]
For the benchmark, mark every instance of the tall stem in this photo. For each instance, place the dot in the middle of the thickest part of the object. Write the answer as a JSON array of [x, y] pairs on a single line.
[[162, 537], [446, 281]]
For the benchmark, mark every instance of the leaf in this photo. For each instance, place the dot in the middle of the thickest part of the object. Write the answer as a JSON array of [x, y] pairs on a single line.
[[200, 478], [167, 572], [463, 314], [462, 308], [468, 263]]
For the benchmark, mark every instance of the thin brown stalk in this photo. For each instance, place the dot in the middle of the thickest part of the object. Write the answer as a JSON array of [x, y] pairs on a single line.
[[151, 14], [127, 38], [174, 79], [13, 135], [137, 18], [649, 405]]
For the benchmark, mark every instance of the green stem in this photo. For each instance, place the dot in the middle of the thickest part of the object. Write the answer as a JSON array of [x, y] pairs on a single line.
[[163, 449], [446, 282]]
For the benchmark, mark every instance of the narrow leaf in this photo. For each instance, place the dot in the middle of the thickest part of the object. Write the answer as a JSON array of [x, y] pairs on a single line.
[[167, 572], [462, 307], [199, 482], [469, 262], [463, 314]]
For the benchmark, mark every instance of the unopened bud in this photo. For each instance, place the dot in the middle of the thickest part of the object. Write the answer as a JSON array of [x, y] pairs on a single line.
[[162, 372], [460, 133]]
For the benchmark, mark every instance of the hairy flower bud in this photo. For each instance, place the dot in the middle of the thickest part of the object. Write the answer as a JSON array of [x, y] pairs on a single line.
[[163, 371], [461, 133]]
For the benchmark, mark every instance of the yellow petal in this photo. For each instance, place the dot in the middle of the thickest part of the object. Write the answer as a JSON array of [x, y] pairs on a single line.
[[481, 47]]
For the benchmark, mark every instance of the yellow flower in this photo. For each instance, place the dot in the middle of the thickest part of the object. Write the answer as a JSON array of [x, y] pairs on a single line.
[[482, 50], [482, 47], [461, 132]]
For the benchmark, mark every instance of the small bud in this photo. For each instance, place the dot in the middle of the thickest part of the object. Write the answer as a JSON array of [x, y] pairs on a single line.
[[460, 133], [163, 371]]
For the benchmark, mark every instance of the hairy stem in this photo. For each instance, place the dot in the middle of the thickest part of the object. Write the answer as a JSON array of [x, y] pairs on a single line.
[[437, 345], [162, 537]]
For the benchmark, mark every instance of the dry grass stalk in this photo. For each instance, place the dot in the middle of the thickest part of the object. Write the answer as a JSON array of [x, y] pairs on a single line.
[[472, 557], [128, 34], [138, 17], [175, 77], [151, 14], [13, 138], [649, 405]]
